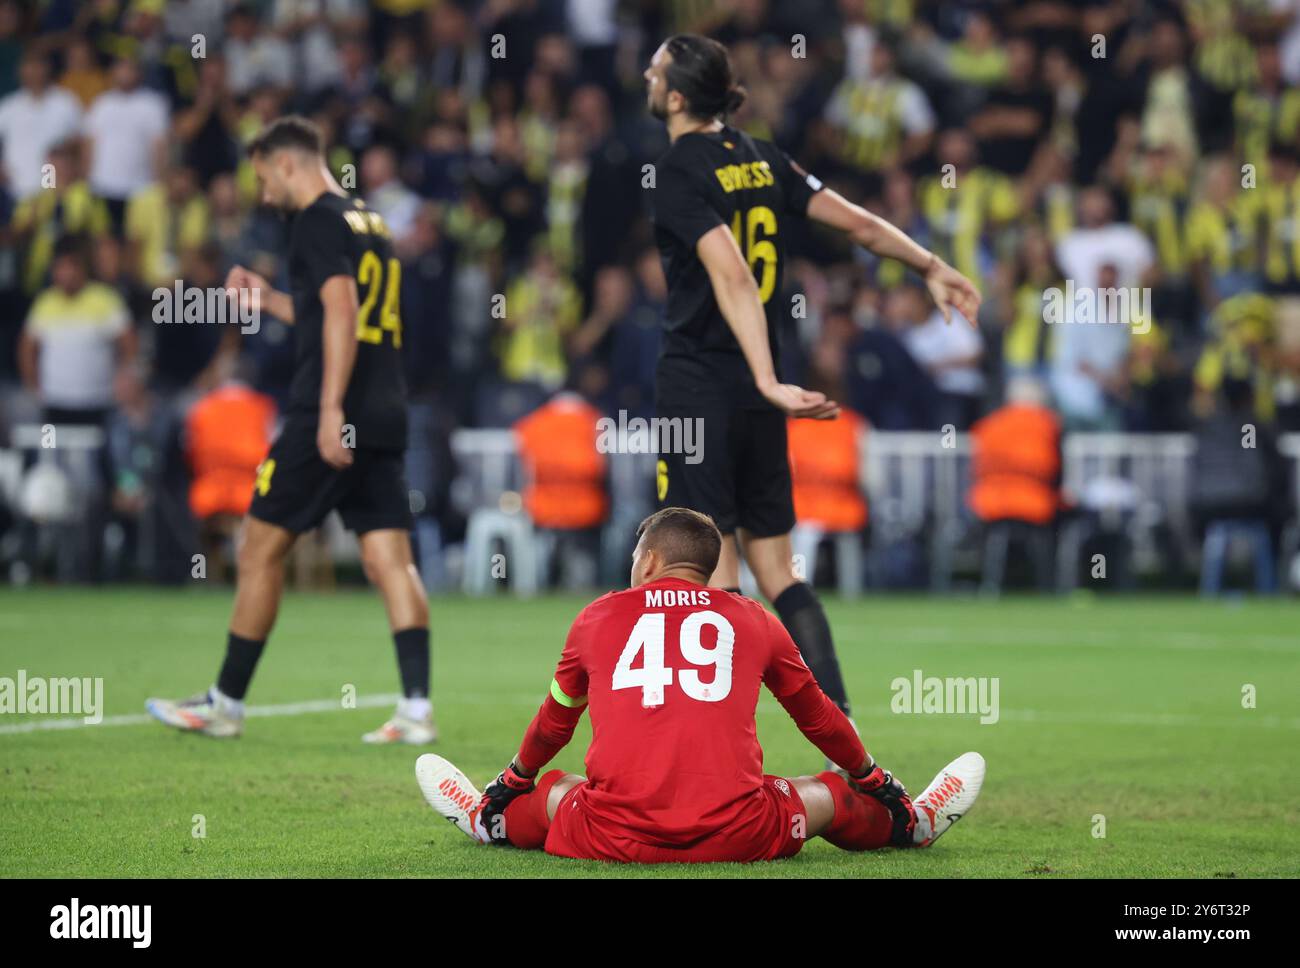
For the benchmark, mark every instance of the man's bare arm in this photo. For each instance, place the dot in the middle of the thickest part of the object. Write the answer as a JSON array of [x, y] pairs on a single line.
[[737, 297], [339, 348], [548, 733], [245, 286], [948, 287]]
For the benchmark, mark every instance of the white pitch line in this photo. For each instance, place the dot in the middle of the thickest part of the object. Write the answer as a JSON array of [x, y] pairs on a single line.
[[766, 707], [137, 719]]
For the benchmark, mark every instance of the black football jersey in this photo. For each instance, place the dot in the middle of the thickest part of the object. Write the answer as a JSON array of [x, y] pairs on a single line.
[[339, 236], [703, 181]]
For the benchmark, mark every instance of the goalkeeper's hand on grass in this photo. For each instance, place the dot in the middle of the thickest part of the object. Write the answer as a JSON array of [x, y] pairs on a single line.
[[500, 793], [882, 785]]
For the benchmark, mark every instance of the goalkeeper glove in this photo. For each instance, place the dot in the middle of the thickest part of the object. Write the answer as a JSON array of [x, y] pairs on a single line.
[[500, 793], [881, 785]]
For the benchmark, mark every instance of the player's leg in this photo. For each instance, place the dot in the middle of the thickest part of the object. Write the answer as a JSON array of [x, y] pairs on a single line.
[[386, 557], [765, 518], [261, 551], [377, 507], [523, 824], [798, 608], [294, 491], [559, 788], [388, 563], [848, 819], [727, 573], [527, 820], [705, 481], [853, 820]]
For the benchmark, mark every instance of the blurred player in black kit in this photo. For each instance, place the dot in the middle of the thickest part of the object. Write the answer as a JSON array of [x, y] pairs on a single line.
[[341, 447]]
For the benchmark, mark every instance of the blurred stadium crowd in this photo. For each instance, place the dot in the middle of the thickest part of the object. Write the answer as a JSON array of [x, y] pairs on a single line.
[[1107, 143]]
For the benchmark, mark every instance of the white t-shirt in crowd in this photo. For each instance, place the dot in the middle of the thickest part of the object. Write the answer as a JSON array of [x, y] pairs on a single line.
[[29, 127], [77, 335], [397, 205], [1289, 44], [1079, 351], [124, 127], [265, 61], [314, 46], [1082, 253], [592, 23], [935, 342]]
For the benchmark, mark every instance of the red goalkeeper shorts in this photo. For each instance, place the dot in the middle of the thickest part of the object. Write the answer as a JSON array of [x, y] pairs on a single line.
[[776, 829]]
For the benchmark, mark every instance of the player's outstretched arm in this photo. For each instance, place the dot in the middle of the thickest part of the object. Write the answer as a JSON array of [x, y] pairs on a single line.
[[830, 731], [548, 733], [737, 297], [948, 287], [252, 291]]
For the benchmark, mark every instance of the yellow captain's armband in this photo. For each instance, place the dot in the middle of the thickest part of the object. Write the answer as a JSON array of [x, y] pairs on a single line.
[[558, 695]]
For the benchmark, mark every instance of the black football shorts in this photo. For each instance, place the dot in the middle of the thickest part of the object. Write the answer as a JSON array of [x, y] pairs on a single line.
[[742, 477], [296, 489]]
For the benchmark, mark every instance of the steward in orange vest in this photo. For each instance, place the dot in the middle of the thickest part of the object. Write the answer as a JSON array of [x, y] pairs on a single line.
[[1017, 465], [824, 469], [228, 433], [566, 473]]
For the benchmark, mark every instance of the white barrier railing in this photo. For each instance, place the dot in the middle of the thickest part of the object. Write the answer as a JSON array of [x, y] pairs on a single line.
[[915, 477], [909, 477], [489, 460]]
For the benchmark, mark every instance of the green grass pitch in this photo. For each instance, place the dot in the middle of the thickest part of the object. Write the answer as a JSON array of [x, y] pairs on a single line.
[[1130, 709]]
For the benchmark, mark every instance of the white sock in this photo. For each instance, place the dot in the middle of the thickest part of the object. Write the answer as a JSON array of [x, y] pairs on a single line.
[[417, 709], [230, 707]]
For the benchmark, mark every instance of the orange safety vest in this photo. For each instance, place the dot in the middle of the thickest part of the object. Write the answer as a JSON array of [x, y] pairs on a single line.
[[824, 468], [1016, 465], [566, 473], [228, 433]]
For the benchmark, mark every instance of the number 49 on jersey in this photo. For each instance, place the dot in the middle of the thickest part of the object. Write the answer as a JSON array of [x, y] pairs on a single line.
[[653, 677]]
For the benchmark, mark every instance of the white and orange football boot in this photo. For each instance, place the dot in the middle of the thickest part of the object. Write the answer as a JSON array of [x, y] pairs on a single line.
[[451, 795], [406, 726], [948, 798], [209, 713]]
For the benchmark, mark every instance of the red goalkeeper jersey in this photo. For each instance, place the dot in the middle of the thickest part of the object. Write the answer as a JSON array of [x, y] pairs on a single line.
[[671, 672]]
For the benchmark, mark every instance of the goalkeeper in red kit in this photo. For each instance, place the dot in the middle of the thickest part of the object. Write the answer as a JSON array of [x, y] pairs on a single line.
[[671, 670]]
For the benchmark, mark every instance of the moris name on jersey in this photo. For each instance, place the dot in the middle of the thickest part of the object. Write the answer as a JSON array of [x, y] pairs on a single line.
[[661, 597], [749, 174]]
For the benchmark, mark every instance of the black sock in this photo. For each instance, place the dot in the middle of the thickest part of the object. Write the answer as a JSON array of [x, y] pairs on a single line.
[[801, 614], [237, 669], [413, 661]]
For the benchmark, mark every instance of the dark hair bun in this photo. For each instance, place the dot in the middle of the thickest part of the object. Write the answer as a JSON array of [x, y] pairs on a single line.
[[701, 72]]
